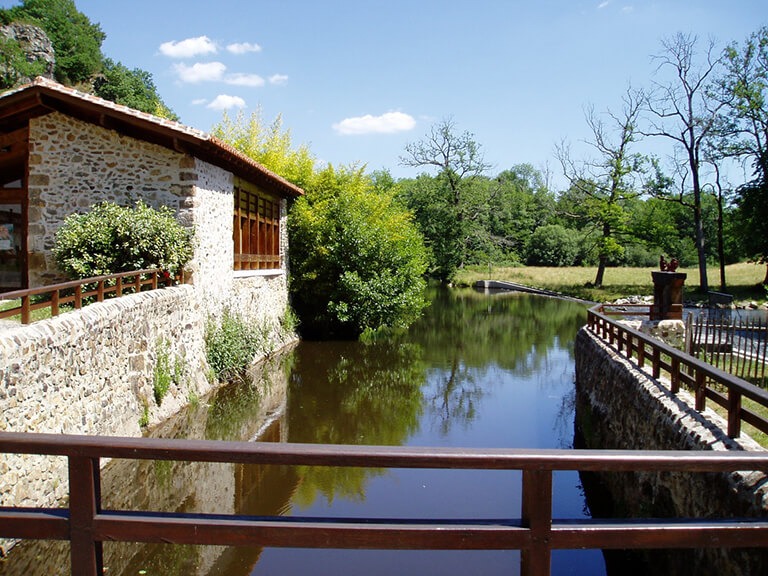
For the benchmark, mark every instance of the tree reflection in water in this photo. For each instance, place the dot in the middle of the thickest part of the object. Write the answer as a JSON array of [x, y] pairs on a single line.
[[475, 370]]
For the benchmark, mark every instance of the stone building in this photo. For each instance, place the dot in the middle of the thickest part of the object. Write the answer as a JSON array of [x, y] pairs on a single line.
[[93, 371], [61, 151]]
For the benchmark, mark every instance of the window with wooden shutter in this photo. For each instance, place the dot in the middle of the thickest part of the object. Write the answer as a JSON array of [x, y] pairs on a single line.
[[256, 231]]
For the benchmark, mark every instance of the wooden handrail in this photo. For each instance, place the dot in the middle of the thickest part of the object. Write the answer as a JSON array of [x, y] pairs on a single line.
[[152, 277], [536, 533], [698, 375]]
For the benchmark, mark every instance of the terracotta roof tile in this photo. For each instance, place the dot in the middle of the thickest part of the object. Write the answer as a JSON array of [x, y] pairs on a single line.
[[213, 149]]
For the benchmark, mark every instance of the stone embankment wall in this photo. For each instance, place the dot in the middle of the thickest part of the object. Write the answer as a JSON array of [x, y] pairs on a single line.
[[92, 371], [194, 487], [621, 407]]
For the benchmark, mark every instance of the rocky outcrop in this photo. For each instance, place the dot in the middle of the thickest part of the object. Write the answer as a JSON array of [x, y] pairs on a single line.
[[34, 42]]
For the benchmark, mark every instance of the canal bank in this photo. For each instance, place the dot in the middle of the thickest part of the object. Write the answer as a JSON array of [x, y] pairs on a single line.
[[621, 407]]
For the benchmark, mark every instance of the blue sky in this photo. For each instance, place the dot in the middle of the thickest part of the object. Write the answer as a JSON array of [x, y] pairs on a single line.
[[357, 80]]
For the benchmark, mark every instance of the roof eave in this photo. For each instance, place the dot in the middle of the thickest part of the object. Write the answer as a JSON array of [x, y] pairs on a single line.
[[41, 98]]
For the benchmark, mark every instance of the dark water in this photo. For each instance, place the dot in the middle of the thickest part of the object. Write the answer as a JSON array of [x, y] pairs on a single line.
[[477, 370]]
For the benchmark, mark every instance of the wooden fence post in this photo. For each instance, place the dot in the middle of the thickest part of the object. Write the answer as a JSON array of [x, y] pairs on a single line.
[[537, 516], [84, 504], [734, 413], [701, 391], [25, 309], [674, 375]]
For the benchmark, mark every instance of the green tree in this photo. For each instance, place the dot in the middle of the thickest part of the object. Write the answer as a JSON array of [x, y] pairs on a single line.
[[357, 258], [752, 221], [76, 40], [553, 245], [450, 206], [684, 111], [270, 145], [133, 88], [426, 198], [744, 90], [522, 203], [604, 184]]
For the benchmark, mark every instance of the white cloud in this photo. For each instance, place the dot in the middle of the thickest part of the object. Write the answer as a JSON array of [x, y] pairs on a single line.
[[225, 102], [188, 48], [603, 4], [278, 79], [253, 80], [243, 47], [200, 72], [388, 123], [199, 101]]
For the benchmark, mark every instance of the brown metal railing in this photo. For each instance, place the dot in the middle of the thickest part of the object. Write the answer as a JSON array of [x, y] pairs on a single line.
[[77, 292], [536, 533], [707, 382]]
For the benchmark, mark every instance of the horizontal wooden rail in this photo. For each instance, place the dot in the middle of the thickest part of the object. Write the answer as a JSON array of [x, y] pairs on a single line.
[[701, 377], [535, 532], [77, 292]]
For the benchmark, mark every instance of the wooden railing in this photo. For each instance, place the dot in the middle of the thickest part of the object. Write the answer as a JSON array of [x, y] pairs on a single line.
[[704, 380], [76, 292], [536, 533]]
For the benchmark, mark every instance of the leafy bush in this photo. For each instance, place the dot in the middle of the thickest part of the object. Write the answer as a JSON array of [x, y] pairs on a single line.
[[231, 345], [553, 245], [357, 258], [112, 238], [639, 256]]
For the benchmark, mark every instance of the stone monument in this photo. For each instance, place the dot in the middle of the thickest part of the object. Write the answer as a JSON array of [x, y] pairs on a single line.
[[666, 314]]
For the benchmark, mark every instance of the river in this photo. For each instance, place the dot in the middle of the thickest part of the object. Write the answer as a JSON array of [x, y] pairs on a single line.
[[477, 370]]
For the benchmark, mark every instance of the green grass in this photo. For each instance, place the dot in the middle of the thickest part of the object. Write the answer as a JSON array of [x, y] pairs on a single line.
[[39, 314], [743, 281]]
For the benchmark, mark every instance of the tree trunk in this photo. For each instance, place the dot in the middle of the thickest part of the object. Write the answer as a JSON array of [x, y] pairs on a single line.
[[700, 249], [600, 271], [720, 243]]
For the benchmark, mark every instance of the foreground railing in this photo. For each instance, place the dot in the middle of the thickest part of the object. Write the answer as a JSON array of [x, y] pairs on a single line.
[[76, 292], [536, 533], [706, 381]]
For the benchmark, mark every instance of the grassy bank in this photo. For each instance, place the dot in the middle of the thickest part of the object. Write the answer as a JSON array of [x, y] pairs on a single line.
[[743, 281]]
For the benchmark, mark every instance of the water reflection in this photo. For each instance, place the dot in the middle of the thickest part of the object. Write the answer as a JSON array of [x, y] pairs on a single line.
[[477, 370]]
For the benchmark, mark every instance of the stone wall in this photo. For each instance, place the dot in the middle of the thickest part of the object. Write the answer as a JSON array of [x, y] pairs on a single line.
[[621, 407], [95, 165], [212, 208], [261, 298], [92, 371], [170, 486]]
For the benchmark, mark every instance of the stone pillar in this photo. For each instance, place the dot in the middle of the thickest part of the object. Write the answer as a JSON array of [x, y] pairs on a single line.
[[667, 295]]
